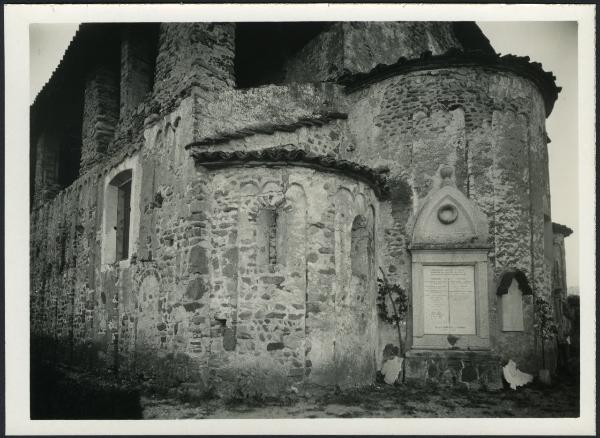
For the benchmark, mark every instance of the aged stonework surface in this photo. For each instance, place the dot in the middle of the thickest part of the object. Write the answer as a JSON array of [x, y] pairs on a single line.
[[205, 215]]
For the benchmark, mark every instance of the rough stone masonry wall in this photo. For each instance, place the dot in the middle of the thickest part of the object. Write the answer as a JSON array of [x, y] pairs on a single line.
[[46, 166], [96, 316], [172, 229], [358, 47], [234, 113], [192, 54], [92, 313], [100, 113], [137, 67], [284, 322], [199, 309], [131, 318], [367, 44], [559, 286], [559, 271], [63, 273], [192, 307], [331, 139], [490, 126]]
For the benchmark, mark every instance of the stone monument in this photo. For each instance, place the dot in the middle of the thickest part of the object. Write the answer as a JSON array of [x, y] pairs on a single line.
[[450, 317]]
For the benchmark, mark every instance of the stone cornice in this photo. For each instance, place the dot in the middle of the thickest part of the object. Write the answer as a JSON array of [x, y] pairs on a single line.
[[290, 157], [561, 229], [520, 65]]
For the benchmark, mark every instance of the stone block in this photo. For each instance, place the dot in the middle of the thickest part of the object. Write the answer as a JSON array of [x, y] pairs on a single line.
[[196, 289], [475, 369], [229, 339], [198, 260], [275, 346]]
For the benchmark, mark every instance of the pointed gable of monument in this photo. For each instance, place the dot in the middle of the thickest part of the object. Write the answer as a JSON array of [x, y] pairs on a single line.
[[448, 218]]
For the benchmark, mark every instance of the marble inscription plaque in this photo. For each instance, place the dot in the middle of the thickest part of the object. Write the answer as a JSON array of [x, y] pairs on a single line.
[[449, 299]]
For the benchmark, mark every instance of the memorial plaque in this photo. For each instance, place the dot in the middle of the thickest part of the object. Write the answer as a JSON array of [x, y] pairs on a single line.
[[449, 299]]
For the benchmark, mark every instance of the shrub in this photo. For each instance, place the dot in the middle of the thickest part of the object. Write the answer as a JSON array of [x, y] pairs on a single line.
[[545, 326], [397, 297]]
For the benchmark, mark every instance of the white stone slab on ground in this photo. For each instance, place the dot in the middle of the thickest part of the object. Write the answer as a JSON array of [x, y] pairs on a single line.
[[514, 376], [391, 369]]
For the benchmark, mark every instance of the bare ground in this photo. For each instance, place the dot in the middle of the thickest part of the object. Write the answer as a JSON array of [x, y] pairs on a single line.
[[379, 401], [66, 393]]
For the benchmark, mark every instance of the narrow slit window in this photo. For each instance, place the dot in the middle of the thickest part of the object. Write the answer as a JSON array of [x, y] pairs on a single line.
[[267, 237], [273, 239], [123, 220]]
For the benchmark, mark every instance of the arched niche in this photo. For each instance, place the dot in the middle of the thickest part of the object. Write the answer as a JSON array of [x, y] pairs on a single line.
[[513, 285], [359, 253], [293, 228], [280, 226], [355, 245], [362, 235], [344, 216], [449, 246], [267, 233]]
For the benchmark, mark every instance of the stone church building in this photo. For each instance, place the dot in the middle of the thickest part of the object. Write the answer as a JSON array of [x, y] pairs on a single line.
[[212, 204]]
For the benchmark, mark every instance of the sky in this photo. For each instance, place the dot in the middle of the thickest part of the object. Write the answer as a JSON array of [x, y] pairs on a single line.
[[553, 44], [47, 44]]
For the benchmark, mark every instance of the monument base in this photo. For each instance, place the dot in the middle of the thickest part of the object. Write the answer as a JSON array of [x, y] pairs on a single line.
[[469, 369]]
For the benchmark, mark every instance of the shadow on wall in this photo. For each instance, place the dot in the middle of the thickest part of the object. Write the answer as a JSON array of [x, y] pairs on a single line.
[[56, 395], [262, 49]]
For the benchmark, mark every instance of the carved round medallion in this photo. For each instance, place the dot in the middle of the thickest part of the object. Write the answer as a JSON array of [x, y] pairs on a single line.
[[447, 213], [446, 172]]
